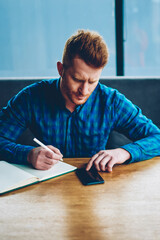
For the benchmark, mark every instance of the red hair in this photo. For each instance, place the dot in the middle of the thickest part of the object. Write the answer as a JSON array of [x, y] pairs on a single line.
[[87, 45]]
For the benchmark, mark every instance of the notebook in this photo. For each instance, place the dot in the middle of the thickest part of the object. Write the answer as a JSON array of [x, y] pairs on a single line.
[[15, 176]]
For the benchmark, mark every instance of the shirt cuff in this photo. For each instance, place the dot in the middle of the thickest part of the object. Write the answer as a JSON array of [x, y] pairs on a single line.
[[135, 152], [21, 153]]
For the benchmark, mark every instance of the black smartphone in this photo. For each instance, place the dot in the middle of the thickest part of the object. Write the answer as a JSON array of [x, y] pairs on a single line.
[[89, 177]]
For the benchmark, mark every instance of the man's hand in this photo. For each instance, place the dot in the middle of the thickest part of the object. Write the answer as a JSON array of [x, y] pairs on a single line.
[[106, 159], [43, 159]]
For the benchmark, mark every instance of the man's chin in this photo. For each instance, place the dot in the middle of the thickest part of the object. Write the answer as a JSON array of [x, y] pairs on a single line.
[[80, 101]]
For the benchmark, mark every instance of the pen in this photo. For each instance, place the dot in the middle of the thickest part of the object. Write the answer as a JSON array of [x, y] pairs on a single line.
[[44, 146]]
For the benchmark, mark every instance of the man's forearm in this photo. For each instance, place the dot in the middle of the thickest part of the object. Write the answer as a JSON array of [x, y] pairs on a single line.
[[144, 149], [12, 152]]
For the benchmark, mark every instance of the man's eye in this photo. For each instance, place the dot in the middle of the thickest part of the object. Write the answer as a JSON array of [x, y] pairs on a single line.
[[75, 79]]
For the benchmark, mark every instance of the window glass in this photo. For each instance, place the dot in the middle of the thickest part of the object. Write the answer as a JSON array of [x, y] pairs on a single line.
[[142, 37], [33, 33]]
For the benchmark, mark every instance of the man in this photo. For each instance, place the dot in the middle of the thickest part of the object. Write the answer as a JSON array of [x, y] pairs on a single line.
[[74, 115]]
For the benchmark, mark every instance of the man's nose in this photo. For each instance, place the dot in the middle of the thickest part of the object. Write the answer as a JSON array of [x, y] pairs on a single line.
[[84, 89]]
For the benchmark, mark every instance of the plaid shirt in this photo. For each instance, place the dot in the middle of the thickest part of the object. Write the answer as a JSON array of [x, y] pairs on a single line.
[[82, 133]]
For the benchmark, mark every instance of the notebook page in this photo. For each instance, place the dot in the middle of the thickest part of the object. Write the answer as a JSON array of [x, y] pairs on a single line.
[[58, 169], [12, 177]]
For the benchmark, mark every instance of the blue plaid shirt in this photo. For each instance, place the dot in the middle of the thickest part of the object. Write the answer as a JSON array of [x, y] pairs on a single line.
[[82, 133]]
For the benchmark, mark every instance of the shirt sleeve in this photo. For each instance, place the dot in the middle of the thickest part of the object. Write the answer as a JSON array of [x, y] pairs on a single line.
[[14, 119], [129, 120]]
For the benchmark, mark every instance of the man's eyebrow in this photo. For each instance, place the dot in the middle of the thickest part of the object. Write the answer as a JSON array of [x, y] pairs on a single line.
[[79, 78], [93, 80]]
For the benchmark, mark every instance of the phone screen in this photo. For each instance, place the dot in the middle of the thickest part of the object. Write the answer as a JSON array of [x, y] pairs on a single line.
[[89, 177]]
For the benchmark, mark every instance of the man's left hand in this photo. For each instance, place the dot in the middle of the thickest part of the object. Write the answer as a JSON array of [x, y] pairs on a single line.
[[104, 160]]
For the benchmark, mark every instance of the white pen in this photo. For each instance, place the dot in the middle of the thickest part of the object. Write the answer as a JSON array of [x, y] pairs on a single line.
[[44, 146]]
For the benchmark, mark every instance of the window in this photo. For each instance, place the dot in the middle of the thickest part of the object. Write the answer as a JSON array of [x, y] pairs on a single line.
[[142, 37], [33, 33]]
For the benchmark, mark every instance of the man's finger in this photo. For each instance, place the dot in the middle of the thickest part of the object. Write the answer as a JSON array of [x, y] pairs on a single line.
[[104, 162], [45, 166], [53, 155], [110, 165], [54, 149], [96, 159], [90, 163], [50, 161], [97, 162]]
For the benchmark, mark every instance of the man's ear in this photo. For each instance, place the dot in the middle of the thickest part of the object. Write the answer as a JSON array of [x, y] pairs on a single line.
[[60, 68]]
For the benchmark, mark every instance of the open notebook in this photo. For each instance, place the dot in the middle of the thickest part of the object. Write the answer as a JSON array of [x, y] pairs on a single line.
[[14, 176]]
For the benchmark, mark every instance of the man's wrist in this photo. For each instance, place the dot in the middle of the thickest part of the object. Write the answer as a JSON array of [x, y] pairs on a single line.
[[29, 156], [126, 154]]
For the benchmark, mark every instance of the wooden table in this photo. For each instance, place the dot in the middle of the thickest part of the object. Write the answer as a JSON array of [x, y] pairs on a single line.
[[126, 207]]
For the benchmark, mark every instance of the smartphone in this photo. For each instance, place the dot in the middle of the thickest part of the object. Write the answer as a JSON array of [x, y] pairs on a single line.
[[89, 177]]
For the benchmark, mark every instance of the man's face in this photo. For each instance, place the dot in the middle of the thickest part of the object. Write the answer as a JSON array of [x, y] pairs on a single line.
[[78, 82]]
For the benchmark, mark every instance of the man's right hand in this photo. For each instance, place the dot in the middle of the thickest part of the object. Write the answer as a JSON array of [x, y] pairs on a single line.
[[43, 159]]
